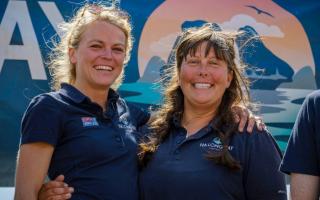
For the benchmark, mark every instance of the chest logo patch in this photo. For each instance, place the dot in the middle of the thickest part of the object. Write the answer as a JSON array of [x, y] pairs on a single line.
[[89, 121], [214, 145], [217, 141]]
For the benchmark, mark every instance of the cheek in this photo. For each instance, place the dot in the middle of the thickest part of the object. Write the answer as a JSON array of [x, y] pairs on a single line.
[[186, 74], [220, 76], [80, 59], [119, 60]]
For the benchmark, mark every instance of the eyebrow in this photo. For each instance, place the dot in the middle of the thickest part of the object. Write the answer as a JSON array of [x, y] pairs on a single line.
[[194, 56], [101, 42]]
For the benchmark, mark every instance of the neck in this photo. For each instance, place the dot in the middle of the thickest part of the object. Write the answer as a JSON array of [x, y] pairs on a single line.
[[98, 96], [195, 119]]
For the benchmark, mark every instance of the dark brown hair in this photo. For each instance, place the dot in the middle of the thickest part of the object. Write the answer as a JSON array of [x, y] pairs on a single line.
[[224, 46]]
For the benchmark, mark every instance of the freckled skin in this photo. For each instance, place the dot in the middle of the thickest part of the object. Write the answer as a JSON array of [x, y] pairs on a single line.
[[205, 70]]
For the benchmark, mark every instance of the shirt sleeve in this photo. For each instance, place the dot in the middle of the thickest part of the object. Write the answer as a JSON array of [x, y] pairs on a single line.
[[301, 153], [262, 178], [41, 121], [140, 115]]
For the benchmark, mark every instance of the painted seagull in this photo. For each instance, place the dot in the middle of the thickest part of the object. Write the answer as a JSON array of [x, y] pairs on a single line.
[[259, 11]]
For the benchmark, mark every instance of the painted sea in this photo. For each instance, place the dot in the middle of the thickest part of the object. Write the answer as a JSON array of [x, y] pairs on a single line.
[[278, 108]]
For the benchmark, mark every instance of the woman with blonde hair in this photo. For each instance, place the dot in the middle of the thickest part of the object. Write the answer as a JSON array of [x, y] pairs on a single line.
[[83, 129]]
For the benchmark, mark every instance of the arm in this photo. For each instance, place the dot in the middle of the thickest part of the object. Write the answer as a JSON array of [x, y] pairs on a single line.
[[304, 187], [32, 167], [301, 158], [38, 138]]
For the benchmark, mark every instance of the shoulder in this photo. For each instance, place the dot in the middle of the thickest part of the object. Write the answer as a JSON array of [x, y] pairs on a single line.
[[135, 108], [254, 135], [140, 115], [257, 140], [44, 102], [313, 100], [314, 95], [41, 121], [309, 112], [264, 137], [49, 97], [258, 148]]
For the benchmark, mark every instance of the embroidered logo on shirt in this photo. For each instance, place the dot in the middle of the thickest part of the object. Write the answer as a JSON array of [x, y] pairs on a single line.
[[217, 141], [89, 121], [214, 145]]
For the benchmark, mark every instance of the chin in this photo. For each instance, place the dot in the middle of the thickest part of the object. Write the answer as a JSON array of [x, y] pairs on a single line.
[[103, 86]]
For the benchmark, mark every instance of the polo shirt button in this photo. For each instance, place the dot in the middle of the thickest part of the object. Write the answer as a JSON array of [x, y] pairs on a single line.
[[176, 151]]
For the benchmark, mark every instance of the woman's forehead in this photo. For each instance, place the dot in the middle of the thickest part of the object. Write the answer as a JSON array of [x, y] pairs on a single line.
[[201, 47]]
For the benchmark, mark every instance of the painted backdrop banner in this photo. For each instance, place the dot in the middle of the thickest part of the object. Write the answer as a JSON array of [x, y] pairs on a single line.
[[283, 57]]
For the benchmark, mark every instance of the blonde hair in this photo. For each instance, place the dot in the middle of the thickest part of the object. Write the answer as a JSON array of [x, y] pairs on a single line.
[[223, 44], [60, 67]]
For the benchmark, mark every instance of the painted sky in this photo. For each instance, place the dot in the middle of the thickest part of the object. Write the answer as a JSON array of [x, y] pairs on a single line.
[[281, 33]]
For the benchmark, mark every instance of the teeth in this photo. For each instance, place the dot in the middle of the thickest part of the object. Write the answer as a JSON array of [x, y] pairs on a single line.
[[103, 67], [202, 85]]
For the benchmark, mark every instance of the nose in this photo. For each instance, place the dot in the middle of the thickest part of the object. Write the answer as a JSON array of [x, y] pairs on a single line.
[[203, 72], [107, 53]]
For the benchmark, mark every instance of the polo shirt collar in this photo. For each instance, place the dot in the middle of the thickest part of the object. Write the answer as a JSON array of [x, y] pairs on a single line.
[[112, 95], [176, 121], [75, 95]]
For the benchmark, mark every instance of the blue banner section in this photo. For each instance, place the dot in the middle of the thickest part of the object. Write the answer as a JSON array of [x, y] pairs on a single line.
[[283, 57]]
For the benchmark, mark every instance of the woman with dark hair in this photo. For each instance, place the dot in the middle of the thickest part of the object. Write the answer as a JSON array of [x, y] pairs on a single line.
[[193, 150]]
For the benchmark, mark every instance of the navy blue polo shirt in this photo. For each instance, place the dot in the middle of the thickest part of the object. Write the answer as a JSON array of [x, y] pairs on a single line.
[[95, 150], [179, 170], [303, 151]]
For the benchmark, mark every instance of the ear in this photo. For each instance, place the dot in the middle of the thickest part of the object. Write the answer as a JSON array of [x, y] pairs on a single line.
[[178, 78], [72, 55], [229, 78]]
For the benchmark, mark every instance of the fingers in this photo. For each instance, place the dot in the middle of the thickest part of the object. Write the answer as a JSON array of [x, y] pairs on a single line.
[[59, 191], [243, 115], [59, 197], [55, 189], [261, 126], [255, 120], [56, 193], [59, 178], [251, 123], [54, 184]]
